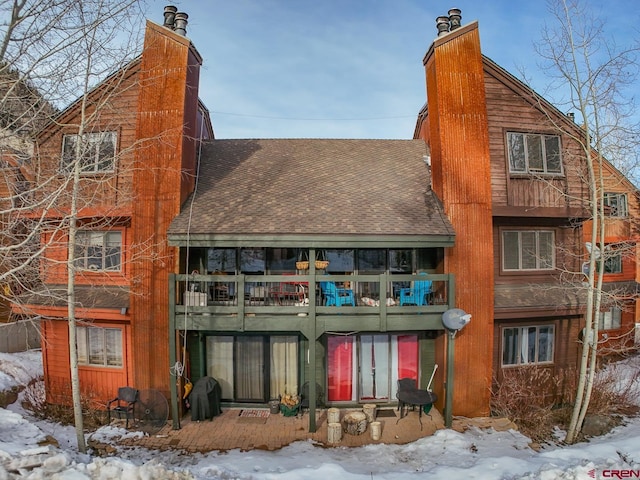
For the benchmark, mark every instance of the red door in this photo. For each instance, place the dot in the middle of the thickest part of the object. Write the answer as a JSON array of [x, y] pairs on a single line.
[[408, 356], [340, 368]]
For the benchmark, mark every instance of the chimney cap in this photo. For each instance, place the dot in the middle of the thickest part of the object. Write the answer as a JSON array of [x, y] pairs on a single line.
[[169, 16], [455, 17], [442, 24], [180, 23]]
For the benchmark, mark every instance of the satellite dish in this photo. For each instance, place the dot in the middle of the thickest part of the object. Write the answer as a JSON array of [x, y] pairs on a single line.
[[151, 411], [455, 319], [592, 249]]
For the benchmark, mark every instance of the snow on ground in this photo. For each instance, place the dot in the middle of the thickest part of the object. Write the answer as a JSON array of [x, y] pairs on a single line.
[[19, 368], [476, 454]]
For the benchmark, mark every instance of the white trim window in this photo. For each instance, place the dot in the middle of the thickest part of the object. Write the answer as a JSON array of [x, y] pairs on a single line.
[[98, 250], [616, 204], [99, 346], [96, 152], [534, 153], [610, 319], [528, 345], [528, 250]]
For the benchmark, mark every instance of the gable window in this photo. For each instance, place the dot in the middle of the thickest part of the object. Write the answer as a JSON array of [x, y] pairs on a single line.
[[99, 346], [616, 204], [98, 250], [95, 152], [528, 250], [534, 153], [527, 345]]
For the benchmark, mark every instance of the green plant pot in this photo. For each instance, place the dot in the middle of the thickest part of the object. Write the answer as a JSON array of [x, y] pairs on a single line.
[[289, 411]]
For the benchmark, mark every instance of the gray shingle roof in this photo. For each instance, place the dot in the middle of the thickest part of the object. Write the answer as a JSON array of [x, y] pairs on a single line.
[[313, 186]]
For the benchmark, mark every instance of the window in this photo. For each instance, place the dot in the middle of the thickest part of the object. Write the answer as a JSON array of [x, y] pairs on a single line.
[[534, 153], [99, 346], [252, 260], [222, 260], [341, 262], [616, 204], [610, 320], [98, 250], [527, 250], [613, 263], [96, 152], [527, 345]]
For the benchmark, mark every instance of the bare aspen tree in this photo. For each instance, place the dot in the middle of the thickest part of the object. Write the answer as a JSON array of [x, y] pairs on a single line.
[[53, 53], [594, 73]]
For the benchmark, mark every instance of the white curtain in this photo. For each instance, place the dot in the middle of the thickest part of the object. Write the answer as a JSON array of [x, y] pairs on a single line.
[[113, 342], [374, 353], [81, 342], [220, 363], [96, 346], [284, 365], [250, 368], [524, 346]]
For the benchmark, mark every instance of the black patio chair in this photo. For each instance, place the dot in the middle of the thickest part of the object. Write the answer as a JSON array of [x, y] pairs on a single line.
[[124, 404], [405, 385]]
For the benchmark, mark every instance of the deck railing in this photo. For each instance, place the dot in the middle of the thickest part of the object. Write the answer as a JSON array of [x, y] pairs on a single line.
[[304, 294]]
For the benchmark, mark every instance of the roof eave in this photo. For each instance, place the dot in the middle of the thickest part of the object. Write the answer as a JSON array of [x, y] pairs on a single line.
[[311, 241]]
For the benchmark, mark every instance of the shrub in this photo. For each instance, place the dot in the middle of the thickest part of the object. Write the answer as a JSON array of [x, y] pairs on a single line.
[[524, 397], [538, 401], [34, 400]]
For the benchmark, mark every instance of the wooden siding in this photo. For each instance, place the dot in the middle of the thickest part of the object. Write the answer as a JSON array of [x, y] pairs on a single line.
[[567, 243], [111, 108], [618, 229], [53, 268], [508, 110], [97, 384], [105, 199], [565, 349], [169, 63], [461, 172]]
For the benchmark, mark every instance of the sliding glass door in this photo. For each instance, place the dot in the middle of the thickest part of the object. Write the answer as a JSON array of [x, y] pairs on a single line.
[[249, 369], [367, 367], [253, 368], [374, 367]]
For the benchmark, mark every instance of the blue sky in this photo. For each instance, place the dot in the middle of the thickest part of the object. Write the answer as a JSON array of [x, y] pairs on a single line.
[[347, 68]]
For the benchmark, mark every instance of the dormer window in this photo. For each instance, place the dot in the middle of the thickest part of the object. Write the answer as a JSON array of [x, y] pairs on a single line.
[[531, 153], [616, 204], [95, 152]]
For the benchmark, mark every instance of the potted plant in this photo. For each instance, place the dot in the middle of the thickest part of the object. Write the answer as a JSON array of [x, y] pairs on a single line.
[[289, 404]]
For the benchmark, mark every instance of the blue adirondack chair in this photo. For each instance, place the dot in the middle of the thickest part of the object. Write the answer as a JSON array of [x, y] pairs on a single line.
[[416, 295], [335, 296]]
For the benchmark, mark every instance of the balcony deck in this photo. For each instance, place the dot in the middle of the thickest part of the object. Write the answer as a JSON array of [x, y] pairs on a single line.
[[262, 302]]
